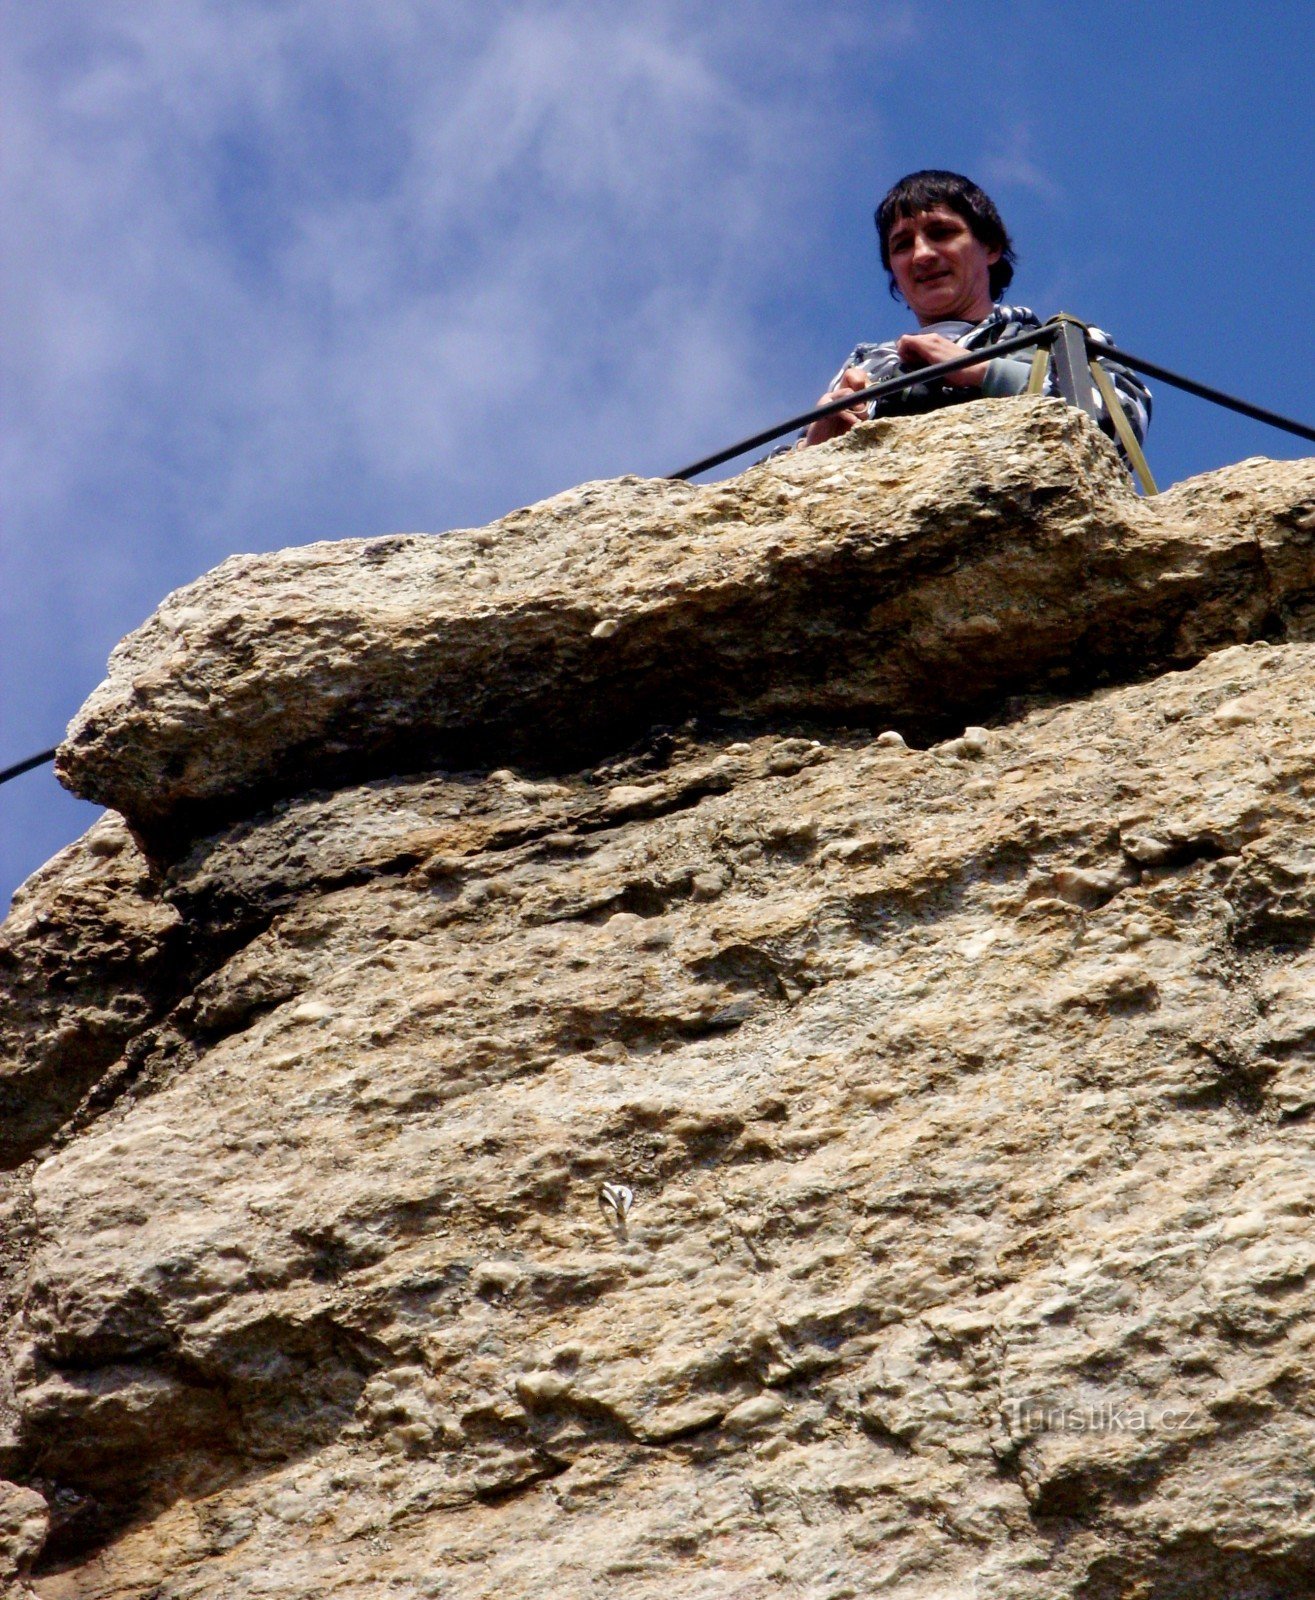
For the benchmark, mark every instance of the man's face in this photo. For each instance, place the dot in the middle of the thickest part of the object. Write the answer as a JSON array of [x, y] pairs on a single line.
[[941, 267]]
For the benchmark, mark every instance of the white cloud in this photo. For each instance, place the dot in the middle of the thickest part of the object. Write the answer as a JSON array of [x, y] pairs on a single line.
[[1010, 163], [283, 268]]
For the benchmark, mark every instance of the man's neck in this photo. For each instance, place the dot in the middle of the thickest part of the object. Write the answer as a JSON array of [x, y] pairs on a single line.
[[974, 314]]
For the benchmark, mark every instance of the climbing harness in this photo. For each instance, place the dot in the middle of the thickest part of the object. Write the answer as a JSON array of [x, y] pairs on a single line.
[[1066, 348]]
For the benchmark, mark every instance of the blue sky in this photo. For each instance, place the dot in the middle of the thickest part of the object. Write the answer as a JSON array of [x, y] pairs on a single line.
[[275, 272]]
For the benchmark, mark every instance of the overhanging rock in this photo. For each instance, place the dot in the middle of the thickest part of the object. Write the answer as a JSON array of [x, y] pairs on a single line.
[[916, 572]]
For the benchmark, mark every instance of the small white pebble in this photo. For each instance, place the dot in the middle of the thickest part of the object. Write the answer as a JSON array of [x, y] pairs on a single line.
[[1089, 886], [1245, 1226], [184, 616], [634, 794], [495, 1277], [604, 629], [541, 1388], [752, 1414], [892, 740], [977, 944], [708, 885], [1233, 714], [312, 1011], [536, 791], [1148, 849], [620, 921]]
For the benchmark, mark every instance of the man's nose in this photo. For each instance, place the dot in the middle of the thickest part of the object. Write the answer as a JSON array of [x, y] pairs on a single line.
[[922, 247]]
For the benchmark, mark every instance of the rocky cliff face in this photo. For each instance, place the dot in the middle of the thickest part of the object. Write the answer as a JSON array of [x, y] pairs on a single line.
[[538, 1089]]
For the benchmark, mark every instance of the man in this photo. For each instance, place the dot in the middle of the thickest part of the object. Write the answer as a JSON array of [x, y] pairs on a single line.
[[948, 256]]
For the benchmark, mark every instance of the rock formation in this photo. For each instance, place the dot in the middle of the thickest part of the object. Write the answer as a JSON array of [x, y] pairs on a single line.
[[539, 1087]]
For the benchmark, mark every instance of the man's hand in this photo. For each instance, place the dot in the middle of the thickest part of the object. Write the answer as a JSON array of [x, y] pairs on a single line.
[[929, 349], [851, 380]]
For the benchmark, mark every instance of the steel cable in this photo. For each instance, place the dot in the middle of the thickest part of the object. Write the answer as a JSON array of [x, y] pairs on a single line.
[[907, 380]]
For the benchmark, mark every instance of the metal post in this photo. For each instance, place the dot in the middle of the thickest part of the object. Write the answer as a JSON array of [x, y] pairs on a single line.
[[1068, 353]]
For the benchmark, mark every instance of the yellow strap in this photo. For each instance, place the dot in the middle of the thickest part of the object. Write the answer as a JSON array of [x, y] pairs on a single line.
[[1123, 427], [1036, 379]]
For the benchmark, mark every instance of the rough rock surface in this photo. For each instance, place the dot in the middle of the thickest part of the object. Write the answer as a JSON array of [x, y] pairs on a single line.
[[964, 1094], [918, 570]]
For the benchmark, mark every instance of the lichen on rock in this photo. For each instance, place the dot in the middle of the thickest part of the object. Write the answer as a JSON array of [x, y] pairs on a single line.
[[959, 1082]]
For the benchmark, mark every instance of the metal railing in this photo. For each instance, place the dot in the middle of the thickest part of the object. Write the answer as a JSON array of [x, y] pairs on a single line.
[[1072, 359], [1072, 352], [876, 391]]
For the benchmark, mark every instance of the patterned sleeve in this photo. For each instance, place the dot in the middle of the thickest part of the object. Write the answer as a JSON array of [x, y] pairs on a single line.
[[878, 361], [1133, 394], [1005, 376], [1009, 376]]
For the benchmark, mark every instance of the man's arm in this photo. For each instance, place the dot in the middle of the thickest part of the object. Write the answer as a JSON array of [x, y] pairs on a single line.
[[995, 378], [928, 350], [875, 363]]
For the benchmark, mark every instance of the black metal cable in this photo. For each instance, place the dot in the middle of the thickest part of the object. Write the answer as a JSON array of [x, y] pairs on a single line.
[[906, 380], [19, 767], [1203, 390]]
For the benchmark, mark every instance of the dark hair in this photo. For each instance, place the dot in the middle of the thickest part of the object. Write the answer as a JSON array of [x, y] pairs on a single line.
[[922, 191]]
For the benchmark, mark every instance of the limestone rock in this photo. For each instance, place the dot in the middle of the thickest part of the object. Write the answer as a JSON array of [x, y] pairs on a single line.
[[89, 956], [963, 1094], [24, 1520], [919, 569]]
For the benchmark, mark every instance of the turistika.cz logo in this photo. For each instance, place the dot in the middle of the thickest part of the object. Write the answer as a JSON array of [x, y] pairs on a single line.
[[1096, 1416]]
